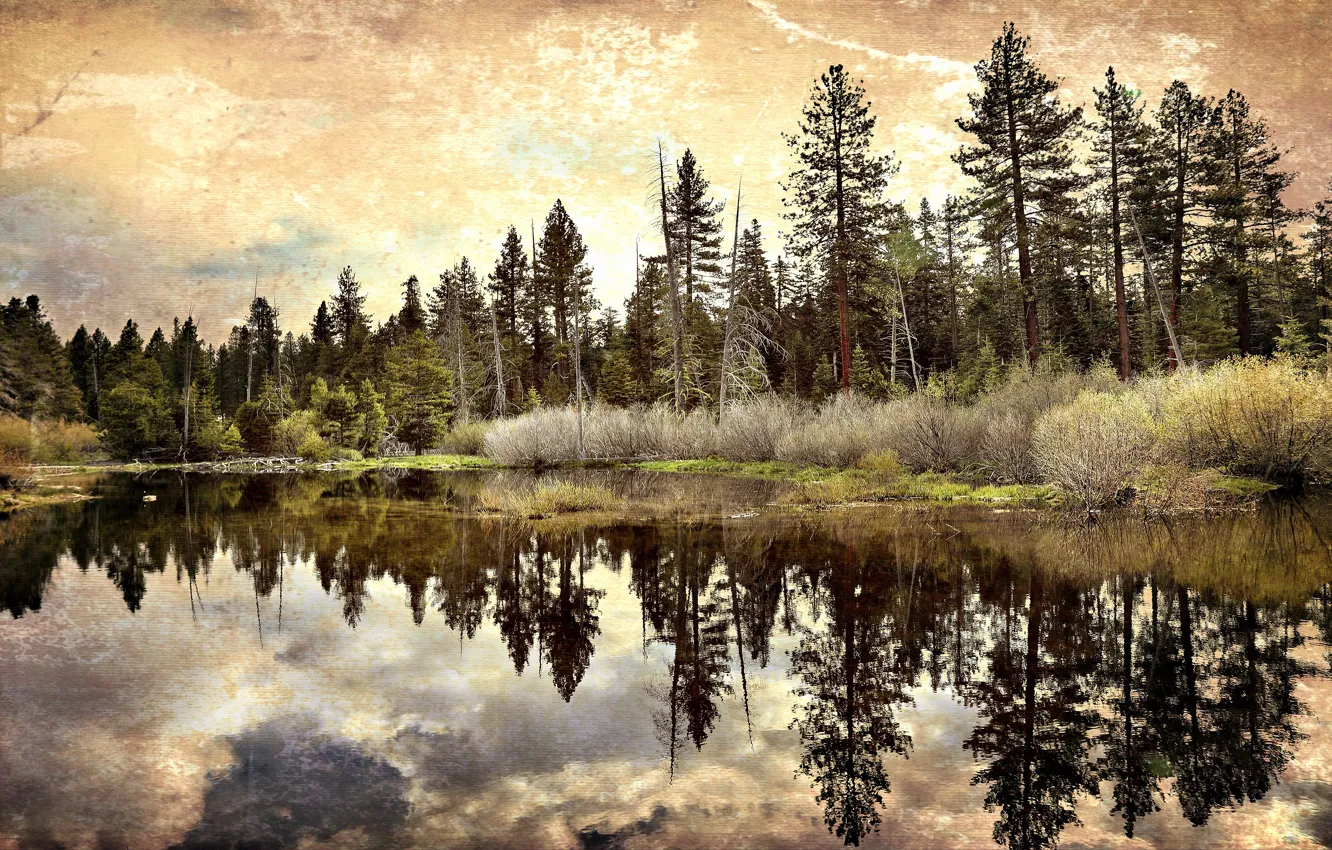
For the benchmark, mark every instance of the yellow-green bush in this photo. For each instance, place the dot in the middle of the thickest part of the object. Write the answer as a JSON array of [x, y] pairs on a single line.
[[48, 441], [1267, 418], [315, 449], [1094, 447], [295, 431]]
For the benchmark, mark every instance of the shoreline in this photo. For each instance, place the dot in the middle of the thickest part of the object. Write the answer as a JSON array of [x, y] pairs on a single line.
[[810, 487]]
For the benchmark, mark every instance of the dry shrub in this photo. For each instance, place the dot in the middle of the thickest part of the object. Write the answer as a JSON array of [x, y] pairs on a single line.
[[753, 430], [543, 437], [58, 441], [15, 474], [1094, 447], [16, 437], [841, 432], [1029, 393], [550, 498], [1005, 450], [464, 439], [1269, 418], [932, 435]]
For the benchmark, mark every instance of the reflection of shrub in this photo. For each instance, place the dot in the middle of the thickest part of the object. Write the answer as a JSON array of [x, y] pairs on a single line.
[[1093, 448], [1268, 418]]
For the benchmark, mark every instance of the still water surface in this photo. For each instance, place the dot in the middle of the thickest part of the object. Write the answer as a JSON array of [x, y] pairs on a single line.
[[357, 661]]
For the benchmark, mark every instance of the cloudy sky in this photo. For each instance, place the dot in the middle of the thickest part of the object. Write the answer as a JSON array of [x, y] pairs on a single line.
[[160, 155]]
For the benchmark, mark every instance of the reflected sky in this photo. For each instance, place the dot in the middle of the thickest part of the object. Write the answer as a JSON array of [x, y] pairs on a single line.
[[360, 661]]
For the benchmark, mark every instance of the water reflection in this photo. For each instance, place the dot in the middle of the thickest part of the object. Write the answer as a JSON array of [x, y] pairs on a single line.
[[1155, 667]]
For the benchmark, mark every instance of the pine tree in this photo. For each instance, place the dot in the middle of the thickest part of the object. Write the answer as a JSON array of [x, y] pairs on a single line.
[[420, 391], [412, 317], [835, 197], [1243, 187], [1181, 120], [1022, 152], [696, 228], [1118, 141]]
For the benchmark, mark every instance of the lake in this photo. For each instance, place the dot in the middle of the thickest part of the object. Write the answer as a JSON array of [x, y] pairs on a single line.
[[362, 661]]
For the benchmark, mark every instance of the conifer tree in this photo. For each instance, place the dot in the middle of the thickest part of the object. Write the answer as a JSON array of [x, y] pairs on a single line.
[[1022, 151], [835, 197]]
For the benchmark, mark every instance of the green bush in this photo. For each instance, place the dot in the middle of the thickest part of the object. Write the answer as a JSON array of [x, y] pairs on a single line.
[[315, 450], [1267, 418], [290, 434]]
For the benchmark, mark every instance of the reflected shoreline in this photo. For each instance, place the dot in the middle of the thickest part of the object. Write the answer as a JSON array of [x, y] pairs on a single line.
[[1152, 667]]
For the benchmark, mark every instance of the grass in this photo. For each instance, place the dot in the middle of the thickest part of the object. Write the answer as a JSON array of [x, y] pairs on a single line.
[[40, 496], [551, 499]]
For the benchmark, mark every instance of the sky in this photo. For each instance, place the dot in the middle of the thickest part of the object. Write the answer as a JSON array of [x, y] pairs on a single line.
[[166, 157]]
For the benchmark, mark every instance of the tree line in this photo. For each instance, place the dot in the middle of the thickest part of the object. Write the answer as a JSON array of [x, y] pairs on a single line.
[[1146, 232]]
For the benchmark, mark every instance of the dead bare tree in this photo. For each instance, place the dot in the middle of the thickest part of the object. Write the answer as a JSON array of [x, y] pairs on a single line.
[[1151, 279], [677, 316], [499, 408]]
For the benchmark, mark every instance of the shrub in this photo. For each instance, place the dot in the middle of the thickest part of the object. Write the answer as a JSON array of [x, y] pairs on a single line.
[[1005, 450], [1269, 418], [842, 431], [15, 474], [58, 441], [292, 433], [753, 430], [347, 454], [468, 439], [15, 437], [1092, 448], [932, 435], [543, 437], [551, 499], [314, 449], [882, 465]]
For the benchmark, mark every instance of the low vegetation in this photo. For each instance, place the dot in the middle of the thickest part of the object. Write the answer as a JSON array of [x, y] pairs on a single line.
[[549, 499], [1080, 438]]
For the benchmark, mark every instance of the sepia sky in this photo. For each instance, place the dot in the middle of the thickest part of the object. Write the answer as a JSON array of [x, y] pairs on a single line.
[[157, 156]]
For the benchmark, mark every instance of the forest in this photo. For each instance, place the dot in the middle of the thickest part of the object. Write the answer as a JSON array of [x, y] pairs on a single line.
[[1140, 235]]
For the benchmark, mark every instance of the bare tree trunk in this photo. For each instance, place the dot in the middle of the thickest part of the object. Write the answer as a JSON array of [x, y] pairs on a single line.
[[677, 320], [906, 328], [578, 365], [729, 337], [501, 397], [1176, 355]]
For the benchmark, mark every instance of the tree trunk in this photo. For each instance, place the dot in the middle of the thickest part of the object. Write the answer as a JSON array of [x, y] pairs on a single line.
[[677, 320], [840, 250], [1121, 305], [728, 337], [1020, 224]]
